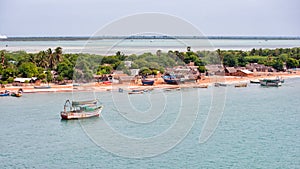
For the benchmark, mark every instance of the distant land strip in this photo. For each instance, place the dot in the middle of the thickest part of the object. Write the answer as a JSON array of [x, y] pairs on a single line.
[[73, 38]]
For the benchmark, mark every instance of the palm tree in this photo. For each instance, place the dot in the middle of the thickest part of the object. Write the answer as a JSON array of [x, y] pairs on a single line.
[[51, 58], [58, 54], [42, 60], [32, 58]]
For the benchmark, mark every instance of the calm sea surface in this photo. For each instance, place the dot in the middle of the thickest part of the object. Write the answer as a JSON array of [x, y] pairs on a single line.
[[137, 46], [259, 129]]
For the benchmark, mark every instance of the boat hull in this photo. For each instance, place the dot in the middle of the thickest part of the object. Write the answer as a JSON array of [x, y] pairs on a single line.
[[201, 86], [255, 81], [81, 115], [148, 82], [4, 94], [140, 92], [16, 94], [42, 87], [220, 84]]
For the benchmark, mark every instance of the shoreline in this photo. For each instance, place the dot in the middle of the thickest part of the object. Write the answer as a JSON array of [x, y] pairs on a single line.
[[159, 84]]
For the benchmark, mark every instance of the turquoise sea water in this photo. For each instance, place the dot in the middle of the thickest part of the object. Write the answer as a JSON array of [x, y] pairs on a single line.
[[259, 129]]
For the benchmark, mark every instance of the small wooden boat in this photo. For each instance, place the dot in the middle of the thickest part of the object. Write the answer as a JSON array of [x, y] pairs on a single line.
[[5, 93], [201, 86], [241, 85], [270, 82], [172, 89], [17, 94], [136, 91], [220, 84], [81, 109], [42, 87], [147, 82], [141, 92]]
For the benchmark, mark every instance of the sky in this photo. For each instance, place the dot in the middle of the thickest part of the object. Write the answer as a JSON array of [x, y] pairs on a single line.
[[211, 17]]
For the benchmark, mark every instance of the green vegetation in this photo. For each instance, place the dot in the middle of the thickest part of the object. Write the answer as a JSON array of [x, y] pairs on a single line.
[[84, 66], [269, 57]]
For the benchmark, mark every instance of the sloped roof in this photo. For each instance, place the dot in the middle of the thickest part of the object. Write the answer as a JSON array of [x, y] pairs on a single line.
[[214, 68], [230, 69]]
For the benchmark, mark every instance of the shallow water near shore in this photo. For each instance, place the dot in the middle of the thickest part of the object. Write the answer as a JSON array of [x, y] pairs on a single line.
[[259, 129]]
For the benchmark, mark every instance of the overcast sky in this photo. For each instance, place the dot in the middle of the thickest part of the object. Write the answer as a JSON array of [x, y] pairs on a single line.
[[211, 17]]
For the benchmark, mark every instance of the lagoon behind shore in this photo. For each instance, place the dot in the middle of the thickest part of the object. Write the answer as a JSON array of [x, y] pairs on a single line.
[[138, 46]]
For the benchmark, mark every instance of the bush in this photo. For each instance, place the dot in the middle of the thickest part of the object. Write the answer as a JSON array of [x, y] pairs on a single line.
[[202, 69], [10, 80]]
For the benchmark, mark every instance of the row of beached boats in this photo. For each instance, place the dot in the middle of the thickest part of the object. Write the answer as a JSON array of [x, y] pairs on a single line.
[[19, 93]]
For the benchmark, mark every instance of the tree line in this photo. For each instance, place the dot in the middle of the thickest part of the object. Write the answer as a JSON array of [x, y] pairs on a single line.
[[83, 66]]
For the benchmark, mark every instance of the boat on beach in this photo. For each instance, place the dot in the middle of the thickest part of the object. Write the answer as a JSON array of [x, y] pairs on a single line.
[[147, 82], [169, 79], [42, 87], [5, 93], [80, 109]]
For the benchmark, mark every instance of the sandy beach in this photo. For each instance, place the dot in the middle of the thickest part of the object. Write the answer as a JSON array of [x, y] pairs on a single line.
[[159, 84]]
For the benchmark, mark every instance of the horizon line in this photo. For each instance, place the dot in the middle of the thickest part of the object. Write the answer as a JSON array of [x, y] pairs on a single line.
[[16, 38]]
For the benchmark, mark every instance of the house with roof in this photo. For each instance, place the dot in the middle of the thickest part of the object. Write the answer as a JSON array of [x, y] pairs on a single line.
[[230, 71], [255, 67], [215, 70]]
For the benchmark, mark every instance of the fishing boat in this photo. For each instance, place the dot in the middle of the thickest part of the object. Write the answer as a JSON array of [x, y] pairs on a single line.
[[169, 79], [17, 94], [42, 87], [241, 85], [5, 93], [220, 84], [136, 91], [81, 109], [147, 82], [270, 82]]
